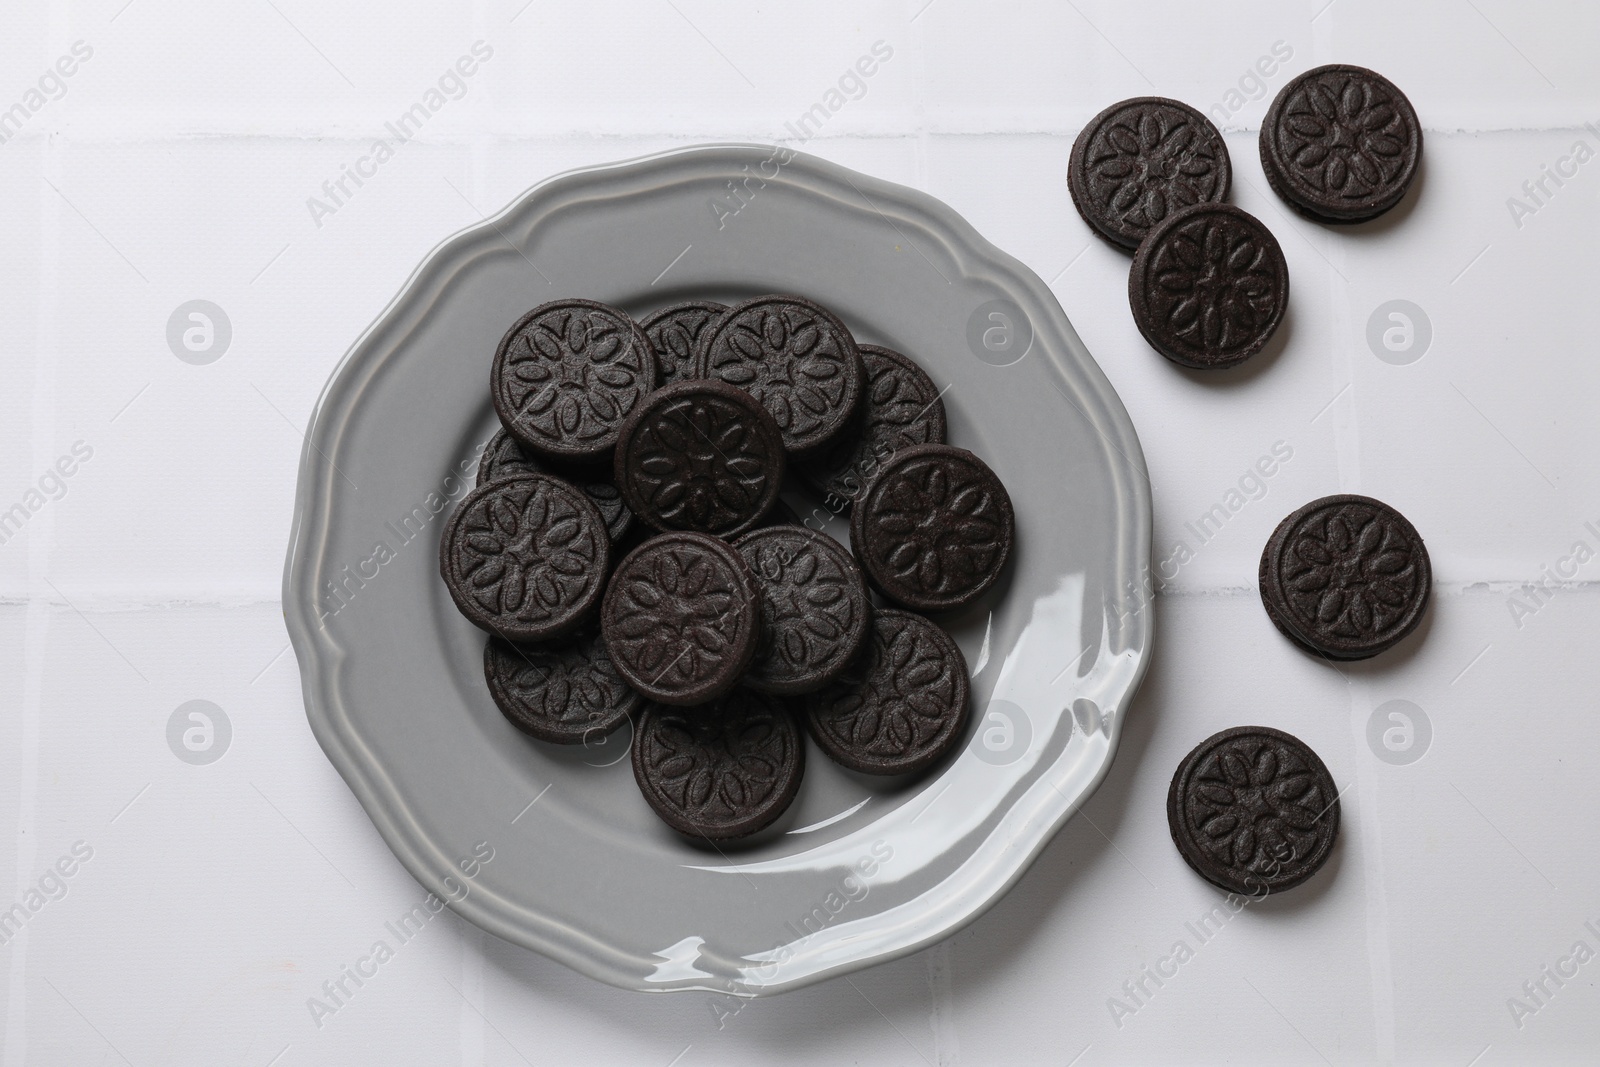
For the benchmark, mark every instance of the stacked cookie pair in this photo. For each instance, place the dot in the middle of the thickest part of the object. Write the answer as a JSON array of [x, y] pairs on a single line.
[[627, 549], [1209, 284]]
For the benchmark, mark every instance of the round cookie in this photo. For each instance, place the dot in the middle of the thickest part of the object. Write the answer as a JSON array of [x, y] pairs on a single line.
[[898, 708], [1341, 144], [1140, 160], [1346, 577], [700, 455], [682, 618], [1253, 810], [901, 407], [814, 608], [722, 771], [565, 692], [934, 528], [504, 458], [567, 374], [526, 558], [674, 334], [796, 358], [1209, 286]]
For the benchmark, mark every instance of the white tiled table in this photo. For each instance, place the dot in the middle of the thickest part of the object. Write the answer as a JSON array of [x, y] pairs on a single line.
[[177, 161]]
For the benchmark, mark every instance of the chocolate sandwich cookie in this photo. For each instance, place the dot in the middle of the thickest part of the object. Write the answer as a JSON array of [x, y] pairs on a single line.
[[1140, 160], [934, 528], [682, 618], [721, 771], [1209, 286], [1341, 144], [567, 374], [504, 458], [526, 558], [1253, 810], [1345, 577], [900, 407], [814, 608], [900, 706], [674, 334], [796, 358], [700, 455], [566, 692]]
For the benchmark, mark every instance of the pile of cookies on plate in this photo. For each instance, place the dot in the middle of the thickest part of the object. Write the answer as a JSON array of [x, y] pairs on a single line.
[[628, 553]]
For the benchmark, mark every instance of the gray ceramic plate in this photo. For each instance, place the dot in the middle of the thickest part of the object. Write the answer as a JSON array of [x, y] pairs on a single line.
[[859, 870]]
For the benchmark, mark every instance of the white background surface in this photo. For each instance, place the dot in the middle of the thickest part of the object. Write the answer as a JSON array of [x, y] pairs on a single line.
[[177, 165]]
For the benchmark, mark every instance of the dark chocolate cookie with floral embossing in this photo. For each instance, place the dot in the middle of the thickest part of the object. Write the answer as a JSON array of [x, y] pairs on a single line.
[[682, 618], [814, 608], [526, 558], [1345, 577], [567, 375], [900, 706], [794, 356], [1253, 810], [721, 771], [901, 407], [700, 455], [674, 334], [934, 528], [504, 458], [566, 692], [1140, 160], [1341, 144], [1209, 286]]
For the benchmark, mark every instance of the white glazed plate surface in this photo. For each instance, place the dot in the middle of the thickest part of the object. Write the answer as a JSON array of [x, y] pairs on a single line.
[[858, 870]]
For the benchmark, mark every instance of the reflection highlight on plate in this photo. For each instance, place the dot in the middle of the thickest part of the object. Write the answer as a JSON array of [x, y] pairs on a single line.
[[959, 798], [830, 820]]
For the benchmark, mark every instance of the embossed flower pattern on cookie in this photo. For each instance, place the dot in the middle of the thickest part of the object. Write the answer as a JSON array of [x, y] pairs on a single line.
[[934, 528], [527, 552], [1343, 134], [795, 358], [722, 770], [1349, 571], [1254, 807], [682, 618], [901, 705], [1145, 158], [565, 692], [567, 374], [716, 769], [525, 557], [1254, 810], [814, 608], [1341, 143], [1221, 281], [701, 456]]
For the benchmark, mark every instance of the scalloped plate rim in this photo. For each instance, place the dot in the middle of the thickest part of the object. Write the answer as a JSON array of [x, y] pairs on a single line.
[[320, 658]]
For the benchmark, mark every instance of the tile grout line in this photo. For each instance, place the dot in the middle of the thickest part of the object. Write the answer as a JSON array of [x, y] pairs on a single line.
[[1380, 962], [37, 625]]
